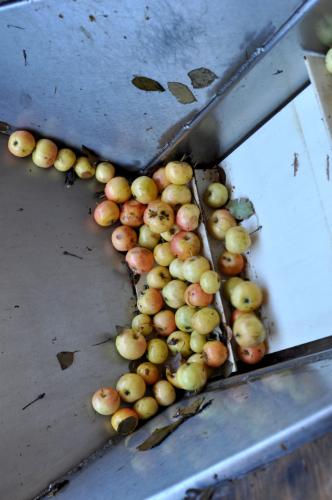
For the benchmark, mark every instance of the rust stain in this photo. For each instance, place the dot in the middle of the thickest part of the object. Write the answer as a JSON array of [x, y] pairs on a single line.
[[296, 164], [328, 167]]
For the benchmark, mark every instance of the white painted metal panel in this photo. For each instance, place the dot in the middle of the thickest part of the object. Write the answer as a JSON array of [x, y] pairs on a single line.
[[291, 255]]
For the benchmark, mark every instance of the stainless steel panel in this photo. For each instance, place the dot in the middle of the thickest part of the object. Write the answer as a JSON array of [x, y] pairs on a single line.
[[75, 82], [50, 302], [246, 425]]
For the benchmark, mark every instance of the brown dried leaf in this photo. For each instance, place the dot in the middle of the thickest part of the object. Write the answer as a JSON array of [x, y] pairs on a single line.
[[201, 77], [190, 410], [159, 435], [181, 92], [147, 84], [162, 433], [5, 128], [65, 359], [174, 362], [91, 155]]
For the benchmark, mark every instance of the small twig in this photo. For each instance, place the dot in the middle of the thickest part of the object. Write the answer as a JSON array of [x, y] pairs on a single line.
[[255, 231], [25, 57], [41, 396], [102, 342], [72, 255]]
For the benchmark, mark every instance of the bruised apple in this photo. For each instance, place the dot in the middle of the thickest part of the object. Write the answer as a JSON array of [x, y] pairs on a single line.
[[210, 282], [195, 296], [219, 222], [106, 401], [142, 323], [122, 415], [146, 407], [216, 195], [168, 235], [187, 217], [159, 216], [130, 344], [84, 169], [231, 264], [118, 190], [215, 353], [179, 341], [176, 269], [191, 376], [21, 143], [230, 285], [140, 260], [144, 189], [147, 238], [251, 355], [183, 318], [158, 277], [150, 301], [106, 213], [164, 322], [124, 238], [176, 195], [205, 320], [157, 351], [173, 293], [131, 387], [248, 330], [131, 213], [160, 178], [65, 160], [237, 240], [194, 267], [185, 244], [105, 171], [163, 254], [178, 172], [246, 296], [149, 372], [45, 153]]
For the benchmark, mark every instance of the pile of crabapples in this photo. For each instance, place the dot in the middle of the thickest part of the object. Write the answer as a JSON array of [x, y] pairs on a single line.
[[157, 224]]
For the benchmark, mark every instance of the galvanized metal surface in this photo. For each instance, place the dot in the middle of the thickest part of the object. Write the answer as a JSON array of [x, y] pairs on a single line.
[[68, 68], [245, 426], [49, 303], [284, 170]]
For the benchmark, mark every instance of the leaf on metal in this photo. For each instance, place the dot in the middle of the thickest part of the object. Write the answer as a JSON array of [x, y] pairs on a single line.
[[174, 362], [5, 128], [241, 208], [190, 410], [91, 155], [181, 92], [127, 426], [160, 434], [201, 77], [66, 359], [223, 371], [147, 84]]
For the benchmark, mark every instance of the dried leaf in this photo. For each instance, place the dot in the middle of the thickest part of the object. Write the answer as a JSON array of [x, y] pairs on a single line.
[[91, 155], [181, 92], [70, 177], [174, 362], [66, 359], [127, 426], [223, 371], [197, 494], [241, 208], [159, 435], [5, 128], [188, 411], [162, 433], [201, 77], [147, 84]]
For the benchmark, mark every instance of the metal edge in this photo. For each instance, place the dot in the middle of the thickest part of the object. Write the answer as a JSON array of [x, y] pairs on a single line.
[[243, 70]]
